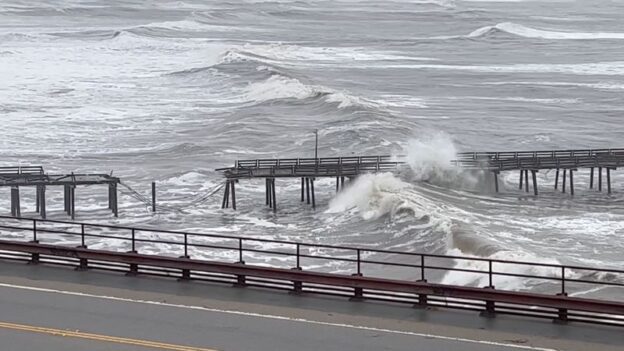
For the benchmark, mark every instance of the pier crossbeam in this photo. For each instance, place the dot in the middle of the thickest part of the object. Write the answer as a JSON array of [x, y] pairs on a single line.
[[34, 176]]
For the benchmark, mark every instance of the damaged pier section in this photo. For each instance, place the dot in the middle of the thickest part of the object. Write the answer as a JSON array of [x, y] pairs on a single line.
[[34, 176], [305, 170], [564, 162]]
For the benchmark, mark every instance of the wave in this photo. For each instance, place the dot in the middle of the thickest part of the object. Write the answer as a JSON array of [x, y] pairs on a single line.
[[278, 87], [528, 32]]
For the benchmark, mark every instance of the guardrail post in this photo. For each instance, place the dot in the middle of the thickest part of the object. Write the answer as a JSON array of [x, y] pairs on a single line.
[[358, 293], [34, 258], [186, 273], [84, 263], [562, 313], [422, 298], [490, 306], [134, 268], [297, 285], [240, 279]]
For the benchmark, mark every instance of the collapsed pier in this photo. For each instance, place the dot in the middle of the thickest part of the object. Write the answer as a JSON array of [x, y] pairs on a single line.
[[305, 169], [564, 162], [35, 176]]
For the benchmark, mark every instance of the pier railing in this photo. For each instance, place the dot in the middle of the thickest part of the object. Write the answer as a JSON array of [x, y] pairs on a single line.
[[299, 267], [553, 154], [317, 167]]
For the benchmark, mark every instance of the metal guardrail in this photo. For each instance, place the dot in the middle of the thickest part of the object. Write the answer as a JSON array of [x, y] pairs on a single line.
[[21, 170], [423, 266], [618, 152]]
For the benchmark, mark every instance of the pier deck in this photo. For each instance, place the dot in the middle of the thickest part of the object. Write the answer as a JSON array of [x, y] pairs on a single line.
[[308, 169], [35, 176]]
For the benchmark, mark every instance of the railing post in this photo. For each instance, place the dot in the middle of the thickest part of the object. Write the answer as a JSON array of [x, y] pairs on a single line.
[[186, 255], [297, 284], [134, 268], [490, 310], [240, 279], [358, 293], [562, 315], [298, 257], [82, 236], [34, 240], [422, 298], [34, 258], [186, 273]]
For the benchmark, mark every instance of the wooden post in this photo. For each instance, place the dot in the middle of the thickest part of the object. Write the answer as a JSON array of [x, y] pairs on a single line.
[[312, 189], [270, 185], [37, 198], [153, 196], [521, 179], [308, 190], [15, 202], [591, 178], [66, 198], [115, 202], [534, 174], [337, 184], [72, 199], [42, 202], [572, 182], [599, 178], [226, 194], [526, 180], [342, 182], [608, 180], [233, 195], [496, 181], [563, 183], [557, 179], [266, 191], [302, 190], [110, 197], [273, 192]]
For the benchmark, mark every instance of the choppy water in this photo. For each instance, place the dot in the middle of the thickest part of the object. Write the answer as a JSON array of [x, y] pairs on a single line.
[[170, 90]]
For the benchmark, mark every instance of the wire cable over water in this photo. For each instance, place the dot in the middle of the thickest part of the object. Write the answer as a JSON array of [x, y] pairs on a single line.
[[195, 200]]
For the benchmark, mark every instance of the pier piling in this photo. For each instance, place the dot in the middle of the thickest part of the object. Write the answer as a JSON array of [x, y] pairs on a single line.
[[563, 183], [572, 182], [153, 196], [495, 181], [534, 174], [608, 180], [599, 178], [556, 178], [591, 177], [312, 190]]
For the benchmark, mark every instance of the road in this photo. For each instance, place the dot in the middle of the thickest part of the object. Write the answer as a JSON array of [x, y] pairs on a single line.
[[60, 309]]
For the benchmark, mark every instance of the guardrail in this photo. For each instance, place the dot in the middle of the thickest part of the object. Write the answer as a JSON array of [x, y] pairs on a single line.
[[366, 277], [541, 154], [20, 170]]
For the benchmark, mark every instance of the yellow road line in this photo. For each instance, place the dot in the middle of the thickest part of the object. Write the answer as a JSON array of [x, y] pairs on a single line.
[[98, 337]]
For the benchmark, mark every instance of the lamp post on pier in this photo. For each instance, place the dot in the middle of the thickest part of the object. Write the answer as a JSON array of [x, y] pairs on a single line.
[[316, 144]]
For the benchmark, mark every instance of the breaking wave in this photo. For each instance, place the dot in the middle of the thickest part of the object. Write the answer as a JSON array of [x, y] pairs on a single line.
[[528, 32]]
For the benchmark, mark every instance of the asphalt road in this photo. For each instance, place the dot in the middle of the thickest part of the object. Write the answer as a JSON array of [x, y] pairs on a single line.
[[45, 308]]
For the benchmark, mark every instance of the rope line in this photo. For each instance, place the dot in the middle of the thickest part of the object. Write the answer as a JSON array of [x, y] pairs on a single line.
[[196, 199]]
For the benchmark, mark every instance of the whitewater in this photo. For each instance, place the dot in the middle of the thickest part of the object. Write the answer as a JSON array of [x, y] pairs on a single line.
[[167, 91]]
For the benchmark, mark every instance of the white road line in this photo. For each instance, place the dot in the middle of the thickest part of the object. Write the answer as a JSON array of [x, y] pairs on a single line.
[[269, 316]]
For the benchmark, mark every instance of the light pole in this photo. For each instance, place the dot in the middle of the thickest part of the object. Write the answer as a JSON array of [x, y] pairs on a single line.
[[316, 144]]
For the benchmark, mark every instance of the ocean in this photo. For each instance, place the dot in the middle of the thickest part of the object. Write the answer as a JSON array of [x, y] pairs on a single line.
[[168, 91]]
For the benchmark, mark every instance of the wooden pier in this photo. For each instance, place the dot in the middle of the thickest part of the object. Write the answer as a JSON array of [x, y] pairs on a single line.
[[34, 176], [306, 169], [564, 162]]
